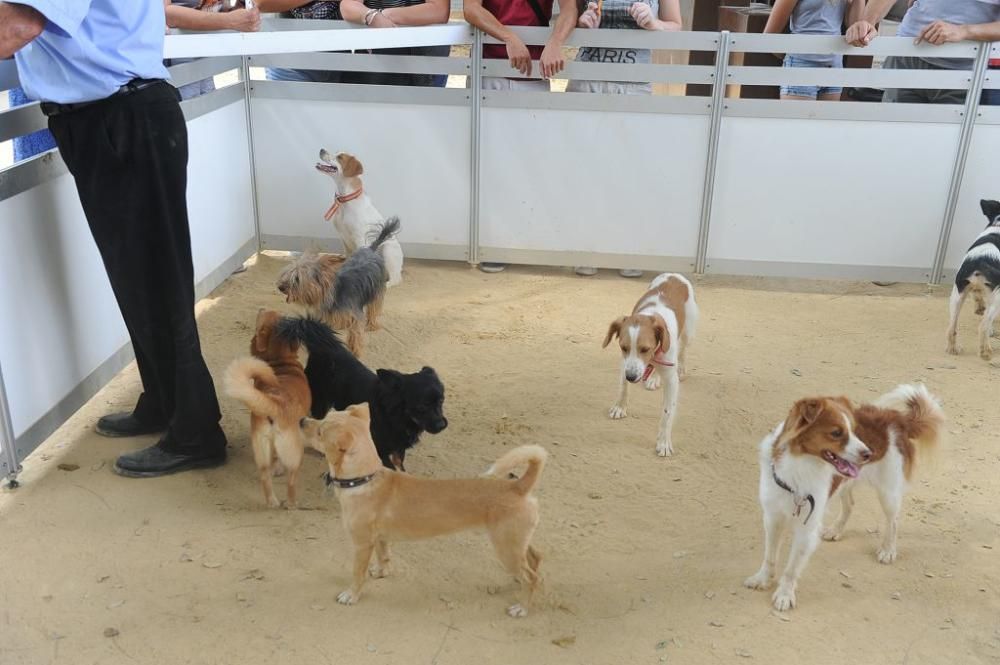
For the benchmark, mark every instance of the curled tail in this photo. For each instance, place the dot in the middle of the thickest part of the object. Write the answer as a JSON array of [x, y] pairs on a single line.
[[923, 416], [388, 229], [533, 456], [253, 382]]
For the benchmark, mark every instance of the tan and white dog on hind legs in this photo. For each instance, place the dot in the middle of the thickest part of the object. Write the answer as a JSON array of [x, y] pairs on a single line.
[[823, 448], [654, 340]]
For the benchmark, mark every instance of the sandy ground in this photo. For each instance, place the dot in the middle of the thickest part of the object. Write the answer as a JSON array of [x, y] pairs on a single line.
[[644, 557]]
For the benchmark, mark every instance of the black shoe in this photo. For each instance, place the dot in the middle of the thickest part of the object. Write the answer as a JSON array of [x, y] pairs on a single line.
[[117, 425], [160, 461]]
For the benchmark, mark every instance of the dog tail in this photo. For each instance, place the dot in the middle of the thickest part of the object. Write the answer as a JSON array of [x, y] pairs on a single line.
[[923, 416], [315, 335], [253, 382], [533, 456], [386, 230]]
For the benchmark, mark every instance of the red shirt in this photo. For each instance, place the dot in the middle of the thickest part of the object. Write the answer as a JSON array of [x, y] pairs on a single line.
[[515, 12]]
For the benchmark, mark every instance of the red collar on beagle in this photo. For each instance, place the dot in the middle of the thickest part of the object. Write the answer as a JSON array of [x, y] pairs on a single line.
[[340, 200]]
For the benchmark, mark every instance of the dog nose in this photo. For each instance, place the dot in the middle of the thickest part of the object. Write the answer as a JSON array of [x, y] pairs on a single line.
[[631, 377]]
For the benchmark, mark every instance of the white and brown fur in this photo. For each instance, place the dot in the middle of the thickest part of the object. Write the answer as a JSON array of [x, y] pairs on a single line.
[[309, 280], [397, 506], [273, 385], [825, 446], [979, 275], [664, 318], [358, 219]]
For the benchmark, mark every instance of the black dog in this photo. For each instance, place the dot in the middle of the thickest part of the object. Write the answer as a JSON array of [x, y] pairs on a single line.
[[403, 406]]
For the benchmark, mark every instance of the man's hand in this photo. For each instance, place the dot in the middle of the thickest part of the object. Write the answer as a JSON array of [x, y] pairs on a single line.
[[552, 61], [940, 32], [589, 18], [19, 24], [520, 57], [861, 33], [244, 20], [643, 15]]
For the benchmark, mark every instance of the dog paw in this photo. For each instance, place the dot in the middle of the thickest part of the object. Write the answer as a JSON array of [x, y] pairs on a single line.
[[758, 581], [517, 611], [783, 599], [653, 382], [617, 412], [953, 349], [664, 448], [886, 555], [378, 572], [831, 534], [986, 354], [273, 502], [347, 597]]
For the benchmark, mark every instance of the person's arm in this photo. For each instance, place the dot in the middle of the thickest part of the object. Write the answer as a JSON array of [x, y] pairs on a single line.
[[781, 12], [552, 60], [863, 31], [669, 16], [430, 12], [188, 18], [19, 25], [940, 32], [477, 15]]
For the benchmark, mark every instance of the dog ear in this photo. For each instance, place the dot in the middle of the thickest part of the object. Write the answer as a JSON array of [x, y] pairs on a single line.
[[361, 411], [660, 333], [389, 377], [262, 335], [349, 165], [991, 209], [804, 413], [428, 371], [614, 330]]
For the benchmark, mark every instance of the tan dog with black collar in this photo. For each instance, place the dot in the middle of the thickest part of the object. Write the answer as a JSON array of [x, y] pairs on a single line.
[[654, 341]]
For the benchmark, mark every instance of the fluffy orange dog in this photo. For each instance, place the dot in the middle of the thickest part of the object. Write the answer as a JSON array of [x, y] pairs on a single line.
[[273, 385], [380, 505]]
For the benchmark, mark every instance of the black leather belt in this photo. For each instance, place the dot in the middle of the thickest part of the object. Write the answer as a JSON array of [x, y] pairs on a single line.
[[135, 85]]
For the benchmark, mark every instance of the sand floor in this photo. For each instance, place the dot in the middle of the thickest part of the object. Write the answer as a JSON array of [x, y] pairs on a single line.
[[644, 557]]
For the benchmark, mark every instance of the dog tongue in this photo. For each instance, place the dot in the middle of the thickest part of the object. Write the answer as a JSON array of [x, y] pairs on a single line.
[[846, 468]]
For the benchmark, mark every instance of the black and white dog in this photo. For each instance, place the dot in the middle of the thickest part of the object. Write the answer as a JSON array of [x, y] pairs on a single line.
[[980, 276], [403, 406]]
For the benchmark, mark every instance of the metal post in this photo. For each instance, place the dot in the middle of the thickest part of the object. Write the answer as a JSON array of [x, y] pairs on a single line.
[[476, 90], [8, 443], [247, 90], [958, 173], [715, 128]]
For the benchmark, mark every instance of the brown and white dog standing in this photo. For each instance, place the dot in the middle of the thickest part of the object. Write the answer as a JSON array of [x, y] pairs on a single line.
[[273, 385], [824, 446], [654, 341], [380, 505]]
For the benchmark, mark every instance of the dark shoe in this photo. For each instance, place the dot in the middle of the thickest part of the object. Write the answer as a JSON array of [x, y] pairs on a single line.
[[118, 425], [159, 461]]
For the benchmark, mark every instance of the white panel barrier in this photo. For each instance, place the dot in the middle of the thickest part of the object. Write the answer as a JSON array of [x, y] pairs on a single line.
[[764, 187], [67, 338]]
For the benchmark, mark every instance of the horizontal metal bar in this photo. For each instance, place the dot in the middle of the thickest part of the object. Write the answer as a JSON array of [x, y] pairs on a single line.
[[543, 257], [308, 41], [868, 78], [814, 270], [651, 39], [31, 172], [746, 42], [201, 69], [856, 111], [212, 101], [992, 80], [358, 62], [583, 101], [21, 120], [341, 92], [638, 73], [412, 250], [988, 115]]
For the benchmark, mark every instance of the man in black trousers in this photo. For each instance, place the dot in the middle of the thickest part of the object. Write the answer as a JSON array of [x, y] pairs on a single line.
[[97, 68]]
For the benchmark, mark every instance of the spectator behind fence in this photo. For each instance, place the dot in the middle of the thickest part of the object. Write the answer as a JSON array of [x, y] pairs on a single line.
[[942, 32], [32, 144], [319, 10], [206, 15], [622, 15], [493, 17], [391, 14], [919, 18], [813, 17]]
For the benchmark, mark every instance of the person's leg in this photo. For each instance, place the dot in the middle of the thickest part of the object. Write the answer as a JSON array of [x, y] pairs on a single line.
[[129, 159]]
